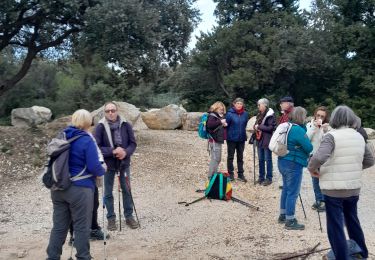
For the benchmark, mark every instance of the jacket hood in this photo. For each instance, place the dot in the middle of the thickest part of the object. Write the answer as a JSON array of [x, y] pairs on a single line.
[[270, 112], [232, 110], [72, 131]]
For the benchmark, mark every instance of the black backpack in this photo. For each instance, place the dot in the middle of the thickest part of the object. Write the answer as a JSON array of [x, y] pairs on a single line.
[[56, 175]]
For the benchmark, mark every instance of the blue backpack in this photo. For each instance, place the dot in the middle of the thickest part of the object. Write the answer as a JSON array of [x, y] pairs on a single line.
[[202, 129]]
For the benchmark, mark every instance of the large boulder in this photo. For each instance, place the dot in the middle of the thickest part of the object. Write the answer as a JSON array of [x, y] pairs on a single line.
[[125, 110], [30, 116], [166, 118], [190, 121], [250, 124], [370, 133]]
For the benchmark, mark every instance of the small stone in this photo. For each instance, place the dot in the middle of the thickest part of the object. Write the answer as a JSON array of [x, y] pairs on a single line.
[[22, 254]]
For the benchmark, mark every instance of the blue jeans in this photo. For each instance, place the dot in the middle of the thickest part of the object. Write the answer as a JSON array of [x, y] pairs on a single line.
[[317, 192], [108, 194], [292, 178], [265, 156], [339, 210]]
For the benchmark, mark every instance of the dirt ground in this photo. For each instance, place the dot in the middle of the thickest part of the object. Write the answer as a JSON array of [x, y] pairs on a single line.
[[168, 167]]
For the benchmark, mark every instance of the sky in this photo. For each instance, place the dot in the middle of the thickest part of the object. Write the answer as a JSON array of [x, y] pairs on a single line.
[[207, 8]]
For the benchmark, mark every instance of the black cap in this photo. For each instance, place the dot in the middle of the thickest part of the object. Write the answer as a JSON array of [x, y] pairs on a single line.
[[286, 99]]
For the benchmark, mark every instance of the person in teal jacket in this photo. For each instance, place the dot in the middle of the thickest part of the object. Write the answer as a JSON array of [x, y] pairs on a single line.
[[290, 167]]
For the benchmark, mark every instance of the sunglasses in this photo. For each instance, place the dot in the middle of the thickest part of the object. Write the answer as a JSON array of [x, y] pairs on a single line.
[[110, 111]]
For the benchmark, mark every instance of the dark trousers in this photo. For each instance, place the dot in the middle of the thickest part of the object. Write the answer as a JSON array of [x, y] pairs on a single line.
[[239, 148], [94, 221], [71, 205], [339, 210]]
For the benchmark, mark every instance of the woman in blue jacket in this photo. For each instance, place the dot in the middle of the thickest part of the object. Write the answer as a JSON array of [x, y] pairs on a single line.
[[290, 167], [236, 119], [75, 204]]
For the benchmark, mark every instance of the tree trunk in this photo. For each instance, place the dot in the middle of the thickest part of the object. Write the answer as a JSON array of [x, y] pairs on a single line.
[[7, 84]]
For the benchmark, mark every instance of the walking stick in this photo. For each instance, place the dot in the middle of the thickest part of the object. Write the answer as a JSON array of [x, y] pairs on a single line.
[[119, 196], [254, 144], [244, 203], [320, 222], [71, 249], [131, 196], [303, 208], [104, 231]]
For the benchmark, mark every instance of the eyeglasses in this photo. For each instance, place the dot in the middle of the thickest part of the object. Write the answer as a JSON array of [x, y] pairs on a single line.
[[110, 111], [320, 115]]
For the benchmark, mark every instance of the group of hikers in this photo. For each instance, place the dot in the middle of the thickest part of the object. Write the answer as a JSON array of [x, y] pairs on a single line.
[[332, 148]]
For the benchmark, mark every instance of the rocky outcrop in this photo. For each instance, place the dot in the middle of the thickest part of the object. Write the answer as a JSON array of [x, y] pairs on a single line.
[[128, 111], [31, 116], [250, 124], [166, 118], [190, 121], [370, 132]]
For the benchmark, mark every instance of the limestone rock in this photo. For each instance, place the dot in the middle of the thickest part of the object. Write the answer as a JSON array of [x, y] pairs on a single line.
[[190, 121], [31, 116], [166, 118], [370, 132], [250, 124], [128, 111]]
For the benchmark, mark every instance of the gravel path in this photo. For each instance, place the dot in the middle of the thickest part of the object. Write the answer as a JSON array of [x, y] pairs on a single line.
[[167, 168]]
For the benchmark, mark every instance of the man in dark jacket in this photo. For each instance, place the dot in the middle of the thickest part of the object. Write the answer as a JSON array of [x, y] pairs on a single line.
[[115, 138]]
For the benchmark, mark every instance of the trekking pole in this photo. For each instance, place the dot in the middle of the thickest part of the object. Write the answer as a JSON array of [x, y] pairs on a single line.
[[71, 248], [119, 196], [320, 222], [131, 196], [303, 208], [254, 144], [244, 203], [104, 231]]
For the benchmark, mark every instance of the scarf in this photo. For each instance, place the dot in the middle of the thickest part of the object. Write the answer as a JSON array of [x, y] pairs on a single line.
[[115, 128], [240, 111], [260, 117]]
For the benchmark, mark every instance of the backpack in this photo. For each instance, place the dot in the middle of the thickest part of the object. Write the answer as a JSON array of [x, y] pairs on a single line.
[[278, 143], [202, 128], [219, 187], [56, 175]]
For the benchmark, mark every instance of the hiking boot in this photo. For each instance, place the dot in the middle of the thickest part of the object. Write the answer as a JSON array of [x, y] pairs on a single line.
[[267, 182], [292, 224], [132, 223], [259, 181], [319, 206], [97, 234], [112, 224], [281, 219], [241, 178], [231, 177]]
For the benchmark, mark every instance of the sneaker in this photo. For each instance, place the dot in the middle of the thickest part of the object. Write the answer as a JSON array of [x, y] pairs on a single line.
[[292, 224], [132, 223], [259, 181], [281, 219], [112, 224], [231, 177], [241, 178], [97, 234], [267, 182]]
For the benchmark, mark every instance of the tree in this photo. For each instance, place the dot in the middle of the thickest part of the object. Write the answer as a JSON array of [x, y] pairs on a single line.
[[32, 26], [138, 36]]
